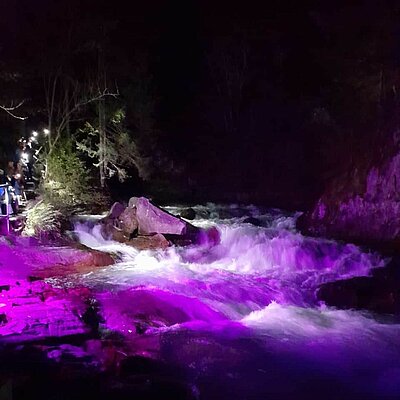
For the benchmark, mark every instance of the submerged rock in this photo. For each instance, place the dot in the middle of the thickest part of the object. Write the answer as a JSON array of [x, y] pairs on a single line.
[[140, 309], [188, 213], [378, 293]]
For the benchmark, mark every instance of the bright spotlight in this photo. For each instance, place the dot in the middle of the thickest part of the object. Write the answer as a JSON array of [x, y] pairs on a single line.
[[34, 133], [46, 131]]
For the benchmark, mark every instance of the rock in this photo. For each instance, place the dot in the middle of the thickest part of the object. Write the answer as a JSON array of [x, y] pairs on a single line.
[[36, 311], [106, 351], [91, 316], [116, 210], [107, 227], [34, 278], [213, 236], [132, 202], [378, 293], [154, 227], [127, 221], [188, 213], [49, 261], [152, 308], [252, 221], [152, 219], [118, 235], [152, 242], [111, 229], [209, 237], [66, 261], [361, 293], [361, 205]]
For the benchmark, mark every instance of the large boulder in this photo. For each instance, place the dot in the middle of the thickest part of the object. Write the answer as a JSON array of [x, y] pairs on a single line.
[[146, 226], [362, 204], [152, 219]]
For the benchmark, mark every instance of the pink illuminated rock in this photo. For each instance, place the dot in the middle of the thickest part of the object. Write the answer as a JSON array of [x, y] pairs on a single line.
[[146, 227], [136, 310], [20, 260], [65, 261], [32, 309], [152, 219], [36, 311], [116, 210], [150, 242], [128, 221], [362, 205]]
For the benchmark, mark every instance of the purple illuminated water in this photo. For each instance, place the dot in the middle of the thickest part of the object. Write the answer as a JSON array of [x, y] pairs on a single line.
[[242, 317]]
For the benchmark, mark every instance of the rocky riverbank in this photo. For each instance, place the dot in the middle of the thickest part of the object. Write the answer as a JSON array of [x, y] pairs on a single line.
[[362, 206], [30, 307]]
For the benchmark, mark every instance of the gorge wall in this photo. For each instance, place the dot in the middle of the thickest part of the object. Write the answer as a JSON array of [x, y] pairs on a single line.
[[363, 204]]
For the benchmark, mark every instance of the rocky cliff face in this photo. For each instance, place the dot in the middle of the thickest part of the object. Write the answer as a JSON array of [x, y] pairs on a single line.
[[362, 205]]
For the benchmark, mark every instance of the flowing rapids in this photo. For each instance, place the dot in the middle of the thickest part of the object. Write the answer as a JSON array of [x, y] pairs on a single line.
[[242, 318]]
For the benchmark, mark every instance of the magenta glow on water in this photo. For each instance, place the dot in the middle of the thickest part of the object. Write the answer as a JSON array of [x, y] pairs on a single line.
[[246, 309]]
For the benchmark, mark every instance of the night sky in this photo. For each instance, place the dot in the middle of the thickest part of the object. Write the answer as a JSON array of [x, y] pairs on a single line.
[[257, 101]]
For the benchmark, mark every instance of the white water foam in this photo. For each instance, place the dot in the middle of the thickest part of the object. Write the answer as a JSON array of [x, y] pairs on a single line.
[[262, 278]]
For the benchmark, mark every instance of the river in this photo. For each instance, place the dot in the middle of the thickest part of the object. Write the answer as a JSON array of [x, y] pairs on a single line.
[[240, 320]]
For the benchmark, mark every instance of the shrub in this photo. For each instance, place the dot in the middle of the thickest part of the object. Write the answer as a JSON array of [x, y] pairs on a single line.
[[67, 180], [43, 220]]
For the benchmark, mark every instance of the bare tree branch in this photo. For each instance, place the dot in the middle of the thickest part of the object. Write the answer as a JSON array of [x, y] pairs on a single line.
[[65, 98], [10, 110]]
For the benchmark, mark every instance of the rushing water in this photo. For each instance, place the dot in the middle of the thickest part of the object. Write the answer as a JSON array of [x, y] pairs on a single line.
[[241, 319]]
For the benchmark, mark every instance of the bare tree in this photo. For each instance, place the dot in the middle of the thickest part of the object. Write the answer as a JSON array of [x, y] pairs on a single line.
[[11, 110], [66, 100]]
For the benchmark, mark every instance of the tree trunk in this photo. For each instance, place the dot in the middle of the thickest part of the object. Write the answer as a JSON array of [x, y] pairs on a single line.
[[102, 141]]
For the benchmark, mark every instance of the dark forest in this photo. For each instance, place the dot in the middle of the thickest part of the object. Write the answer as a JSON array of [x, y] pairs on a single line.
[[246, 102]]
